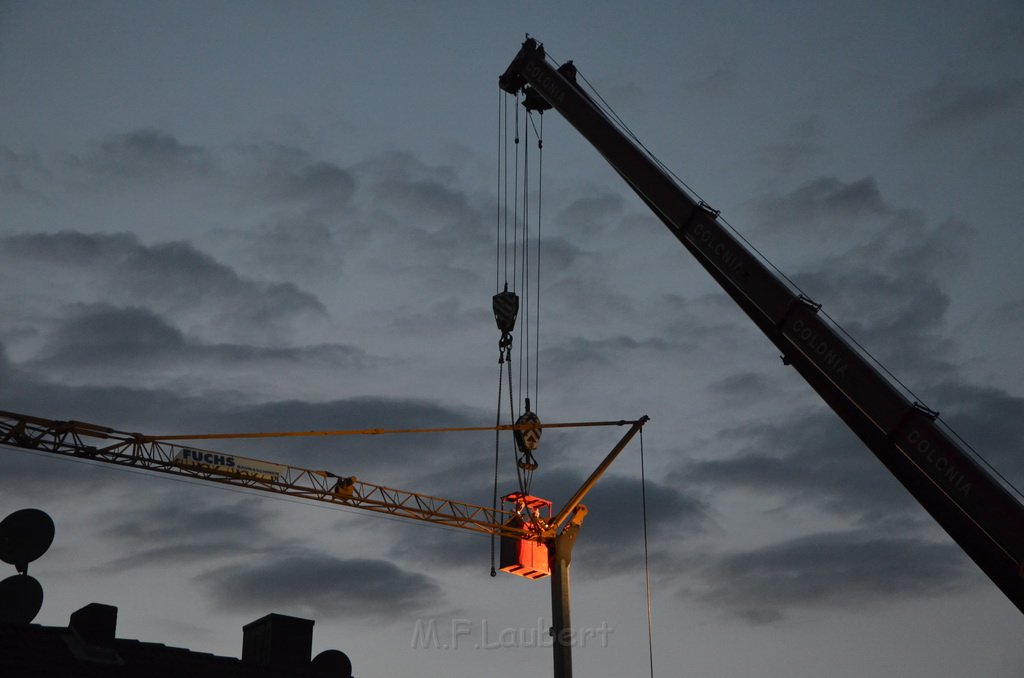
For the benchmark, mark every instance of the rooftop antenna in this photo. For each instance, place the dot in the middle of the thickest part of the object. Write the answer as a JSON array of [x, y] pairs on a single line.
[[24, 536]]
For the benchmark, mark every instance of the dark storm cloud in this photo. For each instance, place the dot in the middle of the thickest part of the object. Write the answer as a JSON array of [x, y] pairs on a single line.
[[591, 214], [172, 277], [295, 246], [321, 585], [990, 420], [718, 82], [144, 154], [103, 333], [170, 411], [810, 459], [580, 354], [612, 533], [612, 536], [289, 176], [829, 570], [425, 205], [953, 104], [93, 337], [746, 386], [799, 144], [22, 173], [271, 174], [822, 201], [323, 184], [882, 272], [166, 529]]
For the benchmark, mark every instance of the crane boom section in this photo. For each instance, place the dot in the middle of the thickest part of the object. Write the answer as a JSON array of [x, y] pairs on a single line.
[[98, 443], [978, 512]]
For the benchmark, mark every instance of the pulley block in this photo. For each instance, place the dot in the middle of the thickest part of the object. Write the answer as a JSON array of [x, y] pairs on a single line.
[[528, 439], [506, 308]]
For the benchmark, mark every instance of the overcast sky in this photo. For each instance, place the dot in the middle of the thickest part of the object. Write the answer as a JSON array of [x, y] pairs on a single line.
[[226, 217]]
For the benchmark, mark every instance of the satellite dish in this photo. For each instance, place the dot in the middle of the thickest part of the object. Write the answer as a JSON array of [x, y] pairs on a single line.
[[333, 663], [24, 536], [21, 598]]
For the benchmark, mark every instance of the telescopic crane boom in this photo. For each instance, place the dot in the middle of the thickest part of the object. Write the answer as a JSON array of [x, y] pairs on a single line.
[[984, 519]]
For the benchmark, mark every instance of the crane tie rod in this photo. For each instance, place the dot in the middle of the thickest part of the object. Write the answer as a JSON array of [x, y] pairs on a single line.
[[385, 431]]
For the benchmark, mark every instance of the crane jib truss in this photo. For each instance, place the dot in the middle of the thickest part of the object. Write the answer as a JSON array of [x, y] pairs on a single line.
[[87, 441]]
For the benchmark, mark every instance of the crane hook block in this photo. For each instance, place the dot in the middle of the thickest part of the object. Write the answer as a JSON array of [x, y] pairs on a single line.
[[506, 308], [528, 439], [534, 101]]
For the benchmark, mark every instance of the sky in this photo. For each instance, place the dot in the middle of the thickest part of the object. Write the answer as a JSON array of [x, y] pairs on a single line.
[[242, 217]]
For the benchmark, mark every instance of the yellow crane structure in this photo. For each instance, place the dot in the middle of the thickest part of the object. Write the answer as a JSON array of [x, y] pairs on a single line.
[[523, 530]]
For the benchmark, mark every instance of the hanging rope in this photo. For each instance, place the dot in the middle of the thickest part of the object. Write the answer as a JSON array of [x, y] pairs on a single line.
[[501, 175], [647, 560], [524, 346], [540, 197], [497, 454], [518, 277]]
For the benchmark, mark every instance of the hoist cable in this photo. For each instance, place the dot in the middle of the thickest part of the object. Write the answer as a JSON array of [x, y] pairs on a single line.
[[523, 485], [504, 132], [497, 232], [497, 448], [515, 199], [540, 198], [647, 560], [524, 346]]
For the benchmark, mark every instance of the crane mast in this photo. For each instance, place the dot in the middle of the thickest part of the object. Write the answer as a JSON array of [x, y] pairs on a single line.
[[974, 508]]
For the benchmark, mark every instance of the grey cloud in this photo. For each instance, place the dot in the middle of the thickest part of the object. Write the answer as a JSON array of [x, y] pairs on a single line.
[[898, 317], [797, 145], [612, 534], [811, 459], [101, 333], [445, 548], [163, 530], [92, 337], [290, 177], [833, 569], [171, 411], [296, 246], [824, 200], [173, 278], [951, 103], [718, 82], [426, 207], [21, 173], [591, 214], [145, 154], [582, 353], [745, 385], [879, 272], [269, 173], [990, 420], [329, 186], [321, 585]]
